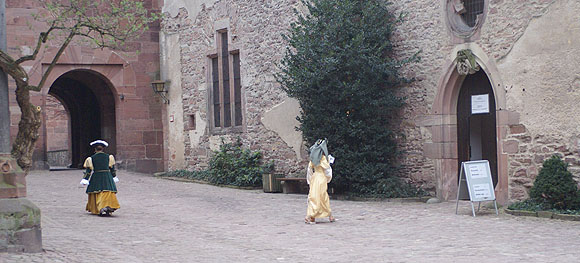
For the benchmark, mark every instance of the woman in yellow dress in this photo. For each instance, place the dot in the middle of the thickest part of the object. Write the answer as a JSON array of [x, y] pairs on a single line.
[[101, 178], [319, 174]]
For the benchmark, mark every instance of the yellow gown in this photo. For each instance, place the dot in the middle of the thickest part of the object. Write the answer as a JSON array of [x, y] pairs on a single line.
[[102, 189], [318, 200]]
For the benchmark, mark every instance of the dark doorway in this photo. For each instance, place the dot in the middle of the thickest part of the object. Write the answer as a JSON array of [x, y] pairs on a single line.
[[57, 130], [476, 132], [88, 98]]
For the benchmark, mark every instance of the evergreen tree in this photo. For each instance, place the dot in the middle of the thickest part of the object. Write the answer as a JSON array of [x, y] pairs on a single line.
[[340, 66], [555, 187]]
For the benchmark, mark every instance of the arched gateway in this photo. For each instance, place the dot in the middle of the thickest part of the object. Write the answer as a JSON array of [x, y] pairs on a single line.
[[89, 100], [104, 96], [460, 135]]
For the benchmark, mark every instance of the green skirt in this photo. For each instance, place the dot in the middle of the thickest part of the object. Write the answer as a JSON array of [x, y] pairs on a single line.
[[101, 181]]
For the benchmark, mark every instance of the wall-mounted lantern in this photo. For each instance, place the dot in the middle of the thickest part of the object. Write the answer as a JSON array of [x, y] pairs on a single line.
[[160, 89]]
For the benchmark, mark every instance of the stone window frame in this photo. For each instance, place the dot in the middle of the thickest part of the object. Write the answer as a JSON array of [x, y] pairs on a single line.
[[460, 31], [236, 90]]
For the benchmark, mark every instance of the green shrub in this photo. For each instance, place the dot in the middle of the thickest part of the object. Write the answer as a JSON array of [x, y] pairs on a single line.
[[555, 187], [235, 165], [394, 187], [341, 68], [231, 165], [202, 175], [528, 205]]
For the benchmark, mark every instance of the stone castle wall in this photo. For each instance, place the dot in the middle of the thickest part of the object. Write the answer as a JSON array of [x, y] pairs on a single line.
[[261, 45], [138, 133], [539, 83], [537, 80]]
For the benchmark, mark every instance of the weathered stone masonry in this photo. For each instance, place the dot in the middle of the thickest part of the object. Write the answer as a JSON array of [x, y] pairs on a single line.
[[526, 49], [255, 29]]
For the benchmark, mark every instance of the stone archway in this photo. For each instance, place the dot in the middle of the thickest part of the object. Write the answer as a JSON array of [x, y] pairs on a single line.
[[89, 98], [442, 122], [133, 119], [58, 132]]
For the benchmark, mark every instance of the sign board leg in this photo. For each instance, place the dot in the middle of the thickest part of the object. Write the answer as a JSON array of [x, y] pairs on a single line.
[[478, 206], [472, 208], [459, 188], [457, 202], [495, 205]]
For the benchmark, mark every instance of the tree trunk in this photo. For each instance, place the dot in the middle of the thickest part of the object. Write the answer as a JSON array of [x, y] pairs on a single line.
[[28, 126]]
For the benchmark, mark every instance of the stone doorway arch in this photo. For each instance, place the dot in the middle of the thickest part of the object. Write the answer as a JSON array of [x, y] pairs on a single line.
[[89, 98], [442, 122]]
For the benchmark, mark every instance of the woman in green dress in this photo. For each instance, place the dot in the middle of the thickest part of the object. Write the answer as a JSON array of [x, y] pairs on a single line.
[[100, 177]]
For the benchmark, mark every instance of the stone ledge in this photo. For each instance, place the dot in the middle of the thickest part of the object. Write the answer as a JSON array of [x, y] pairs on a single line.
[[422, 199], [187, 180], [20, 229], [543, 214]]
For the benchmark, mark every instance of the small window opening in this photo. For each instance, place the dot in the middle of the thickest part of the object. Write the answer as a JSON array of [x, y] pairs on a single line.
[[472, 9], [191, 124]]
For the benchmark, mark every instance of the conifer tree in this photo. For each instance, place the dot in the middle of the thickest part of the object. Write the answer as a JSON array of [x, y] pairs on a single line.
[[341, 68]]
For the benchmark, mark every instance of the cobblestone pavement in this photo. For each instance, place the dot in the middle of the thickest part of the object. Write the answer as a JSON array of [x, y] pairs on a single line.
[[169, 221]]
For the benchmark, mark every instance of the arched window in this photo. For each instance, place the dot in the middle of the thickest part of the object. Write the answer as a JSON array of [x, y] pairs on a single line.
[[465, 17], [472, 10]]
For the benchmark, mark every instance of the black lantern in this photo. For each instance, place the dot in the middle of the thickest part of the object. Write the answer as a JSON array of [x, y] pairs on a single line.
[[160, 89]]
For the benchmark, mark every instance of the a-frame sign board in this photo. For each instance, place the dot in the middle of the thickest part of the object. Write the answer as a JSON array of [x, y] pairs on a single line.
[[479, 184]]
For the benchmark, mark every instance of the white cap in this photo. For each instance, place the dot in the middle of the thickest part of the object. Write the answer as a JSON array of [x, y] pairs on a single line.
[[104, 143]]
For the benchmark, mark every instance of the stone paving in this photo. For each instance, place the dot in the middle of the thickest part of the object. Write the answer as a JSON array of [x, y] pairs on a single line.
[[169, 221]]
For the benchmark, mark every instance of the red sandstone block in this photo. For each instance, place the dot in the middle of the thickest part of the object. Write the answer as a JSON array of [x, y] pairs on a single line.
[[152, 66], [134, 103], [136, 114], [149, 137], [516, 129], [132, 138], [131, 155], [60, 129], [138, 125], [511, 146], [131, 148], [160, 139], [154, 151], [148, 57], [158, 124], [143, 81], [150, 47], [155, 113], [148, 166], [128, 91]]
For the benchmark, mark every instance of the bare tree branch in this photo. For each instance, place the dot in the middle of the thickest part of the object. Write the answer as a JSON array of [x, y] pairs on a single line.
[[41, 39], [9, 66], [45, 75]]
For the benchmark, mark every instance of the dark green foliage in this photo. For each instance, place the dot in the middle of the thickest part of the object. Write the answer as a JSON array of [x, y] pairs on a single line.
[[394, 187], [528, 205], [231, 165], [555, 187], [533, 205], [202, 175], [234, 165], [340, 67]]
